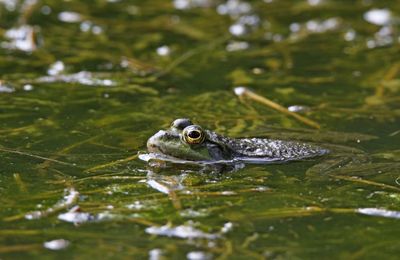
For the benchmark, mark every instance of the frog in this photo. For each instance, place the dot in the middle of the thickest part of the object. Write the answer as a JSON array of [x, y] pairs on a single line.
[[184, 142]]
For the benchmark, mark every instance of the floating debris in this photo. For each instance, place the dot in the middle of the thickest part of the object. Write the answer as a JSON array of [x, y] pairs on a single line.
[[316, 26], [191, 213], [228, 226], [385, 36], [88, 26], [69, 199], [142, 205], [155, 254], [314, 2], [183, 231], [188, 4], [241, 13], [244, 24], [379, 212], [161, 187], [56, 68], [82, 77], [57, 244], [21, 38], [234, 8], [75, 216], [5, 88], [198, 255]]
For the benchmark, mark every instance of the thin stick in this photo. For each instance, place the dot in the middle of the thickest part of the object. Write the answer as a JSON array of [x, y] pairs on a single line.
[[20, 183], [19, 248], [244, 92], [130, 158], [390, 74], [35, 156], [366, 182], [67, 149]]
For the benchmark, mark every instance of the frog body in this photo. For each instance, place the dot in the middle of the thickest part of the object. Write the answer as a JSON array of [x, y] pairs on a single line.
[[187, 141]]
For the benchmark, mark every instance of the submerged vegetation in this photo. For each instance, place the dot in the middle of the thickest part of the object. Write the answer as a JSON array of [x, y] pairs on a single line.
[[83, 84]]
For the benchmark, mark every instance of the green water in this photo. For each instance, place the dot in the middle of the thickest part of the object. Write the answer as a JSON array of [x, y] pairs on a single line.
[[72, 142]]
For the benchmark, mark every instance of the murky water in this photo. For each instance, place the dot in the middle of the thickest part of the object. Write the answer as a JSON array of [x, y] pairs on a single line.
[[85, 83]]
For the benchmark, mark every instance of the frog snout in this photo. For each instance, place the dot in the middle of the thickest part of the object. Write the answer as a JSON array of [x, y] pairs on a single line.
[[154, 141]]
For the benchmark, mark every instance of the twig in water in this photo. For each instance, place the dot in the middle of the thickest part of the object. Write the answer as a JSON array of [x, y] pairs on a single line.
[[2, 149], [130, 158], [244, 92], [365, 182], [20, 183]]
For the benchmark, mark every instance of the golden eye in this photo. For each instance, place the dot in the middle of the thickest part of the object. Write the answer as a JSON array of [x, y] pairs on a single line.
[[193, 134]]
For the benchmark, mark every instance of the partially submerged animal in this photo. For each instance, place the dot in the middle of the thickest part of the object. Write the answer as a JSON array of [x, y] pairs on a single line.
[[187, 142]]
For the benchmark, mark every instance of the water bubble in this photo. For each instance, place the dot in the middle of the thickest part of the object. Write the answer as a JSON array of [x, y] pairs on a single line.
[[298, 109], [314, 2], [27, 87], [155, 254], [371, 44], [85, 26], [378, 16], [46, 10], [198, 255], [97, 29], [187, 4], [234, 8], [69, 17], [240, 90], [294, 27], [57, 244], [277, 38], [350, 35], [163, 50], [237, 29], [181, 4], [56, 68], [237, 46], [228, 226]]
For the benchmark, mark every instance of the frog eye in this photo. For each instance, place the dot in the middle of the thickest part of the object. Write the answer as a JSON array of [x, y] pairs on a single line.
[[181, 123], [193, 134]]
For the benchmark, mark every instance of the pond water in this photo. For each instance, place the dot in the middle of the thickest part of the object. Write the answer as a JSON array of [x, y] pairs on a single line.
[[84, 84]]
